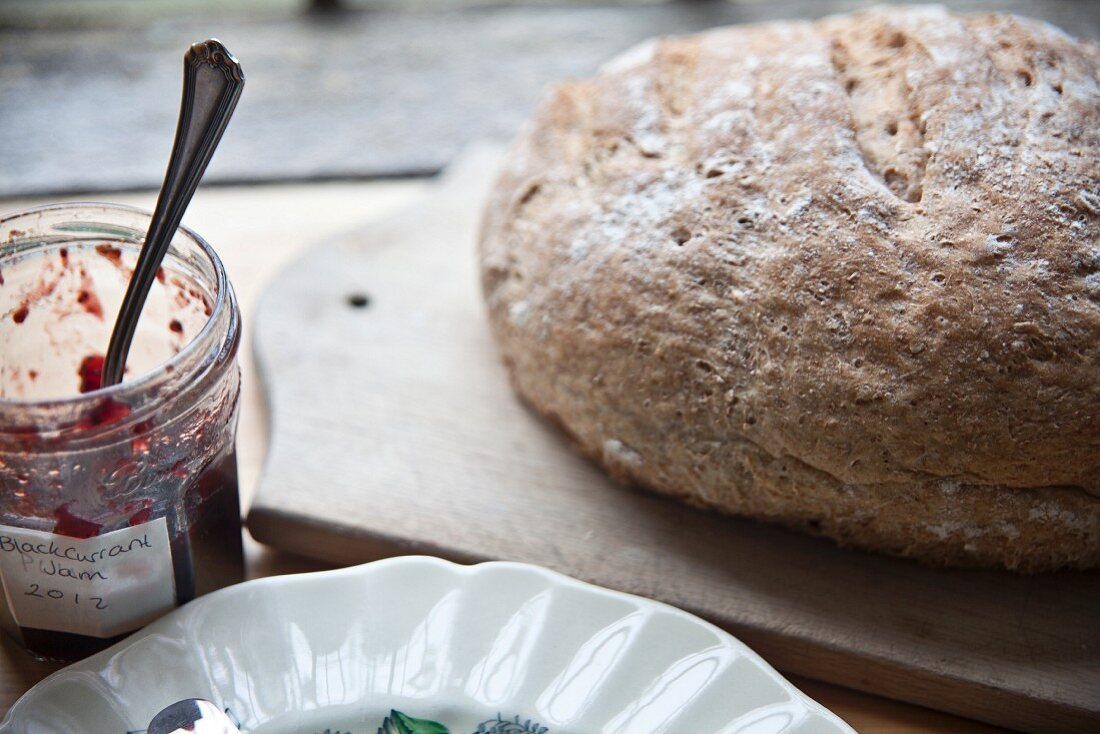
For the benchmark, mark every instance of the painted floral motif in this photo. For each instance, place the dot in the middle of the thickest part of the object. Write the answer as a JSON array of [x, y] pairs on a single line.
[[401, 723], [504, 726]]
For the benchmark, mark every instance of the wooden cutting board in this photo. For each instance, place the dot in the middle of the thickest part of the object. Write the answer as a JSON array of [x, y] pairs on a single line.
[[394, 431]]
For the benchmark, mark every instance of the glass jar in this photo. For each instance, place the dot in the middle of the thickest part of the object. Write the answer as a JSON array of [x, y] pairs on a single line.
[[116, 504]]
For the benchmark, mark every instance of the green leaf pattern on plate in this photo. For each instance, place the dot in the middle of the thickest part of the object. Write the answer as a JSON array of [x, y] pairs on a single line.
[[401, 723]]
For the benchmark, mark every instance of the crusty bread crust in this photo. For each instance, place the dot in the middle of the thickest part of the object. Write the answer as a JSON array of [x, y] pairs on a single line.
[[841, 275]]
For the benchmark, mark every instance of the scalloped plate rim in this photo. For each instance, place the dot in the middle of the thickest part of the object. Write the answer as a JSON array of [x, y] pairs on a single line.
[[98, 661]]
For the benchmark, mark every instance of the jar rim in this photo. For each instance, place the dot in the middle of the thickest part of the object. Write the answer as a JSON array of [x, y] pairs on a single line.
[[129, 390]]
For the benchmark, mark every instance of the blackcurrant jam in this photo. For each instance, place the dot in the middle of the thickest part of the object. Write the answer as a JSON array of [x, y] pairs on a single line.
[[116, 504], [205, 557], [209, 555]]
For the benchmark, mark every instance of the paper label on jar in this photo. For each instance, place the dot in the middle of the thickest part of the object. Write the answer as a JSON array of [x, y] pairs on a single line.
[[102, 586]]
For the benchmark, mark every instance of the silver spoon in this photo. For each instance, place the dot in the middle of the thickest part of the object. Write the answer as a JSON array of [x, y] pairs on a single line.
[[192, 716], [212, 84]]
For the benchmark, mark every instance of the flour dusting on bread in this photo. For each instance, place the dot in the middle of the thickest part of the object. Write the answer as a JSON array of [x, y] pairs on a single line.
[[842, 275]]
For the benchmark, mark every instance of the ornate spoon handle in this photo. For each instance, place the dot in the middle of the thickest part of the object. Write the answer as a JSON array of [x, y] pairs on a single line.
[[212, 84]]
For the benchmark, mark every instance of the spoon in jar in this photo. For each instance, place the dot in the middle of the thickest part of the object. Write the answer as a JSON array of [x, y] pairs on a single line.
[[192, 716], [212, 84]]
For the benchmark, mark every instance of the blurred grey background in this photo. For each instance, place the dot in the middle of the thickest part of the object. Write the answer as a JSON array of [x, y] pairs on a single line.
[[89, 89]]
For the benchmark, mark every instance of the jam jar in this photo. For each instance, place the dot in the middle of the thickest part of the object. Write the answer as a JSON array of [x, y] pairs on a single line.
[[117, 504]]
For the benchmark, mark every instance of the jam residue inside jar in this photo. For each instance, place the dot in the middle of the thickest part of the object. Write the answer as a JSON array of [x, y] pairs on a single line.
[[91, 373], [159, 447]]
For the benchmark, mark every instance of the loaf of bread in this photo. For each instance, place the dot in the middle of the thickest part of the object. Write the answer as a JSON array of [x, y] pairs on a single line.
[[841, 275]]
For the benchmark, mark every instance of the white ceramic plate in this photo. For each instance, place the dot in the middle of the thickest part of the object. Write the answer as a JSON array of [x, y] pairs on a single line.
[[422, 646]]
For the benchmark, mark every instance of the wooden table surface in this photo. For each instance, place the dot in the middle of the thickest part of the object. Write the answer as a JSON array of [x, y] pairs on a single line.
[[257, 230]]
